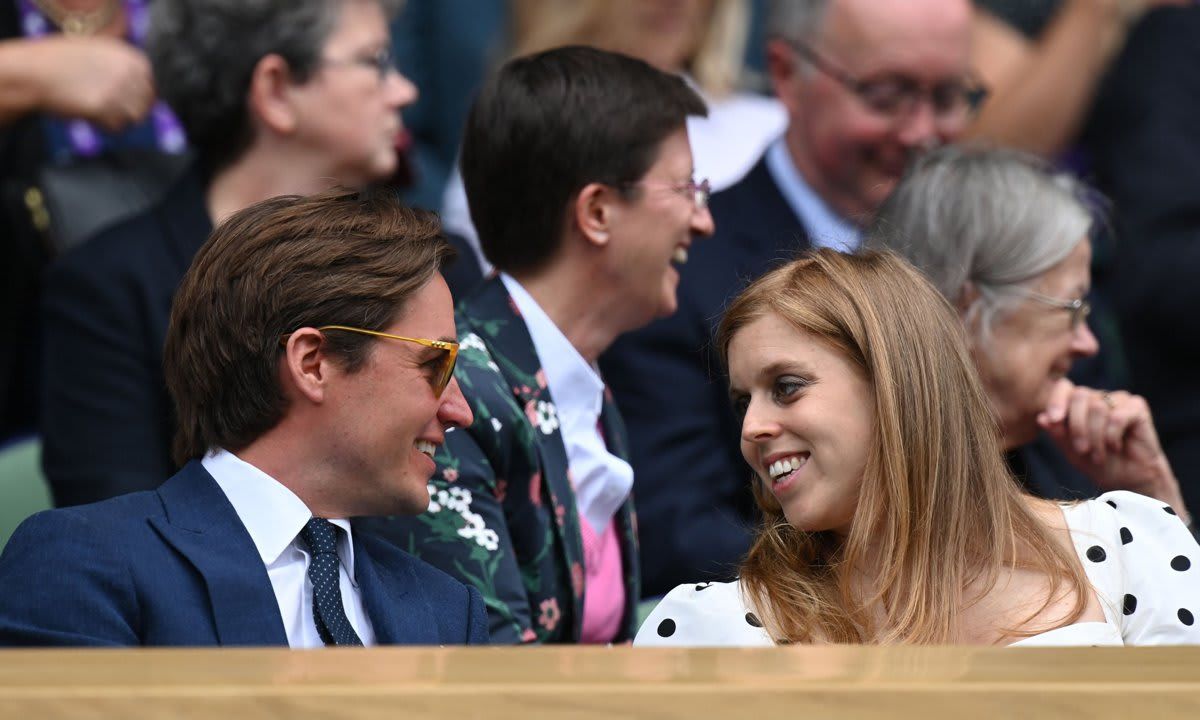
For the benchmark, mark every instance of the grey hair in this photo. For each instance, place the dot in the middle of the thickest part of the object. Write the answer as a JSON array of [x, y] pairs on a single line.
[[997, 219], [796, 19], [204, 53]]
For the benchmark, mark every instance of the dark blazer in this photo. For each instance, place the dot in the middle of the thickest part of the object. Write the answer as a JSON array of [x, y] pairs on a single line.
[[105, 413], [1044, 471], [691, 481], [1143, 138], [503, 516], [463, 274], [175, 566]]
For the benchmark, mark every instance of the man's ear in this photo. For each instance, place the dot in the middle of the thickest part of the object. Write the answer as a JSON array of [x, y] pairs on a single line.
[[269, 97], [594, 210], [786, 73], [305, 365]]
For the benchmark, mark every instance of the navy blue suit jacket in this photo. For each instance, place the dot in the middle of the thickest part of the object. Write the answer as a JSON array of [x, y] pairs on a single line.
[[694, 504], [175, 566], [107, 420]]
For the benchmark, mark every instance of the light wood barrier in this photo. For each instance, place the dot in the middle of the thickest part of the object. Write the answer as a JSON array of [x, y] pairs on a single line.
[[802, 683]]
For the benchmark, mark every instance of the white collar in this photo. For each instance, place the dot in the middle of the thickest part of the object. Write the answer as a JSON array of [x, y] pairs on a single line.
[[825, 227], [271, 512], [575, 384], [601, 480]]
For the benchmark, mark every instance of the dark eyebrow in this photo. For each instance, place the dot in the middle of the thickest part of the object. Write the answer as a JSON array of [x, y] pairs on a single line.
[[429, 353], [779, 367], [782, 366]]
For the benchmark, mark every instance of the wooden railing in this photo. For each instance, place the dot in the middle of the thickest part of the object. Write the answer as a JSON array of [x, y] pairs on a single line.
[[582, 682]]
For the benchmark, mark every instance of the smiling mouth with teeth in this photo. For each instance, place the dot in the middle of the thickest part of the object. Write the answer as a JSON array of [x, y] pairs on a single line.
[[426, 447], [782, 468], [680, 256]]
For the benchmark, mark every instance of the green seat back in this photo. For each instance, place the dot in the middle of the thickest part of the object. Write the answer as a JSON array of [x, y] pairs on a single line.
[[23, 489]]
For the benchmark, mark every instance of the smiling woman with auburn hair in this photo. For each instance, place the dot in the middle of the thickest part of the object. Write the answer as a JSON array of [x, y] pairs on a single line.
[[889, 514]]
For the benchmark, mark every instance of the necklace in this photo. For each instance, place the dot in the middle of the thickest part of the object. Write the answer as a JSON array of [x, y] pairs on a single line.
[[78, 22]]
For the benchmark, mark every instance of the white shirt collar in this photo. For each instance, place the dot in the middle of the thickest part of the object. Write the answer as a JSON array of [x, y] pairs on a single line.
[[271, 513], [575, 384], [601, 480], [825, 227]]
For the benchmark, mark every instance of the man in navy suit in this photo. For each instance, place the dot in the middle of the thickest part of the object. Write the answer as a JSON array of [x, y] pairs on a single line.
[[866, 86], [309, 356]]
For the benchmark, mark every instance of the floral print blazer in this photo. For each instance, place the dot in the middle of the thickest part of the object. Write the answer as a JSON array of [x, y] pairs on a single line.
[[502, 515]]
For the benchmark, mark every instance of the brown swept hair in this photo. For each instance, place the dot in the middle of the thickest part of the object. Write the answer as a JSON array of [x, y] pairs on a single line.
[[340, 257], [938, 511]]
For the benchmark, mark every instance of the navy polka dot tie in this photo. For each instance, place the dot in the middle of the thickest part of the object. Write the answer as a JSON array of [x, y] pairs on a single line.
[[328, 612]]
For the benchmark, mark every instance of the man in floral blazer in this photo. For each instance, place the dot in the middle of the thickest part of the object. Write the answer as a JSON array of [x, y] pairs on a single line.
[[578, 169]]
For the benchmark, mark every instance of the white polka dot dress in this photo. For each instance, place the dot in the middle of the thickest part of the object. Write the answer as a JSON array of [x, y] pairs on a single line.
[[703, 615], [1142, 563], [1140, 559]]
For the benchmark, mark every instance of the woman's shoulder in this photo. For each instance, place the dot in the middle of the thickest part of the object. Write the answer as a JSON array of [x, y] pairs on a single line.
[[1122, 510], [712, 614], [1142, 561]]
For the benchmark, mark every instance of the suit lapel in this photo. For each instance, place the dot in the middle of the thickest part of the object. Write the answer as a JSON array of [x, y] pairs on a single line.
[[385, 578], [618, 444], [493, 315], [203, 527], [771, 229]]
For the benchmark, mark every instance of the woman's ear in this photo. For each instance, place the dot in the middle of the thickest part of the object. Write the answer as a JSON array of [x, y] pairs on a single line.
[[269, 98], [594, 211], [966, 298]]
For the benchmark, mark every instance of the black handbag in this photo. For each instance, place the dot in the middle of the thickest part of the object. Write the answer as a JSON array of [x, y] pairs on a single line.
[[73, 202]]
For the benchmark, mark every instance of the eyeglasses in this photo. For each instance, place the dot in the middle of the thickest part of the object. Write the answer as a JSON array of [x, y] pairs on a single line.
[[380, 61], [953, 102], [698, 192], [1078, 308], [445, 367]]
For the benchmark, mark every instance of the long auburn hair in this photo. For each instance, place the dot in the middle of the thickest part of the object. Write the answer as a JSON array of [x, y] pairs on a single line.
[[939, 515]]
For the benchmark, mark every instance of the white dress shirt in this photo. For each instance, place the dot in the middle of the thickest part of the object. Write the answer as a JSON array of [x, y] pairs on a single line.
[[602, 481], [274, 516], [825, 227]]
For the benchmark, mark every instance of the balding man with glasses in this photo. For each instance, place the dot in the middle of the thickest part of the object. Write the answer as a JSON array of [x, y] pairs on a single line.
[[867, 85]]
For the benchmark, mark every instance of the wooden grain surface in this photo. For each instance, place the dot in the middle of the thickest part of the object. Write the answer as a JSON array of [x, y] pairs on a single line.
[[583, 682]]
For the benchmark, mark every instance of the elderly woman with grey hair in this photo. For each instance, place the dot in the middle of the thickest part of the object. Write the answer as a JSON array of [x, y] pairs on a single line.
[[1007, 242], [277, 98]]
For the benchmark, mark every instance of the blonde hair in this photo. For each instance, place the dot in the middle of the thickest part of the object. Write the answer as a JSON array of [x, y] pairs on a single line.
[[715, 65], [938, 511]]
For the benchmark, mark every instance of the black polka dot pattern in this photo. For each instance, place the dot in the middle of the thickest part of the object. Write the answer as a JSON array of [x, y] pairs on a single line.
[[1134, 551], [666, 628], [1168, 509], [328, 612]]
